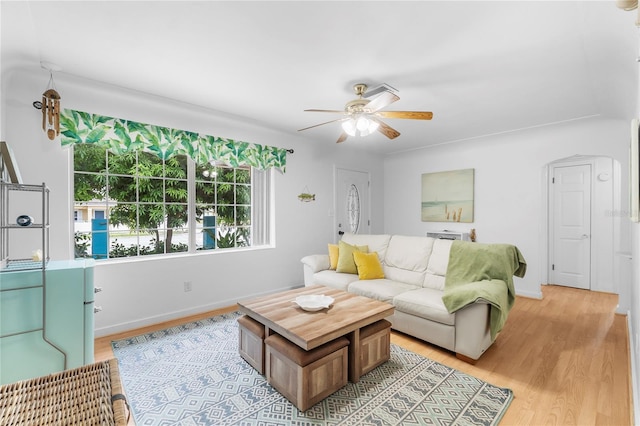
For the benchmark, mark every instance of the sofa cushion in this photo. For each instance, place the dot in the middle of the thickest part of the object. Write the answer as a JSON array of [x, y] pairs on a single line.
[[438, 263], [333, 256], [407, 259], [424, 303], [346, 263], [334, 279], [377, 243], [384, 290], [368, 264]]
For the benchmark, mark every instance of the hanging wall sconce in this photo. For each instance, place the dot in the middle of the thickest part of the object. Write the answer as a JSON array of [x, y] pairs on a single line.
[[51, 105]]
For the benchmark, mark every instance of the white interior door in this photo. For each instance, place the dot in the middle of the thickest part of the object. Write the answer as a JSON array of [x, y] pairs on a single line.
[[352, 202], [570, 239]]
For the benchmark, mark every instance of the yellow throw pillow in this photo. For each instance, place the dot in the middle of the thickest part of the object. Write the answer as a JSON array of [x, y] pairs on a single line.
[[346, 263], [369, 266], [333, 256]]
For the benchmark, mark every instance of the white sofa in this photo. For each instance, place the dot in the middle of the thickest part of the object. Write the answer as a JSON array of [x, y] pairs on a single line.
[[414, 278]]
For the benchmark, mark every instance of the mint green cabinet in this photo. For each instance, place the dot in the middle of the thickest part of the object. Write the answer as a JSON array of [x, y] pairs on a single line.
[[46, 328]]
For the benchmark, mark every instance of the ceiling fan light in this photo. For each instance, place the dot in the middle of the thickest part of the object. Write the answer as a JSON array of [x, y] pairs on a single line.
[[373, 126], [362, 124], [366, 126], [349, 127], [365, 132]]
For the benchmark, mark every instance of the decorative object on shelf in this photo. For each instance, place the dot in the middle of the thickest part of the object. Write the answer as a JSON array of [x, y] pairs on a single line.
[[472, 235], [51, 104], [306, 196], [24, 220], [450, 235], [36, 255], [448, 196]]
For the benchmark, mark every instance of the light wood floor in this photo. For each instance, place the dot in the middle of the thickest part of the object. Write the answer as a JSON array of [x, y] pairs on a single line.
[[566, 358]]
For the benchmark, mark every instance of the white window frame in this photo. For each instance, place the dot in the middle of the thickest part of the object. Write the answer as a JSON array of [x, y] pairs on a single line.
[[261, 214]]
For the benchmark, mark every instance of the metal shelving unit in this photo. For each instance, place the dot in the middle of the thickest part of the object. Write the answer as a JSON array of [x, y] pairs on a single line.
[[12, 231], [8, 227]]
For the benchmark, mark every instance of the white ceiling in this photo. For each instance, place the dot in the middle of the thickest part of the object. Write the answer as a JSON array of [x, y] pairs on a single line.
[[481, 67]]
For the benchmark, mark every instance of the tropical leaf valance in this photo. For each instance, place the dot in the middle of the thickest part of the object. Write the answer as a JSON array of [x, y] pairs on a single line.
[[120, 136]]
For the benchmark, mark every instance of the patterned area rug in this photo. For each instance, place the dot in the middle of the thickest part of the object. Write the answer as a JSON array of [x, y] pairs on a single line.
[[193, 375]]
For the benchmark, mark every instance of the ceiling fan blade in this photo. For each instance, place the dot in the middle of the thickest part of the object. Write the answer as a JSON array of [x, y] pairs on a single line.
[[342, 138], [387, 130], [321, 124], [325, 110], [412, 115], [379, 102]]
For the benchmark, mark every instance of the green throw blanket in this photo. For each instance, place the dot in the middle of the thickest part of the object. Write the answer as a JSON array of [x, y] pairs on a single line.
[[483, 272]]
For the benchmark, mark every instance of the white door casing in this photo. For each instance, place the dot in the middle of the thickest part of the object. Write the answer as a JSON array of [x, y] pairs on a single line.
[[570, 226], [352, 202]]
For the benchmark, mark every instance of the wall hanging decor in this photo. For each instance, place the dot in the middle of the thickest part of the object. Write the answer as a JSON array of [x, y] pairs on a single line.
[[448, 196], [305, 196], [51, 105]]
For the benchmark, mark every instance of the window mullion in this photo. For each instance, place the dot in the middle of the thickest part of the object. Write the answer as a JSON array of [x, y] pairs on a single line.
[[191, 203]]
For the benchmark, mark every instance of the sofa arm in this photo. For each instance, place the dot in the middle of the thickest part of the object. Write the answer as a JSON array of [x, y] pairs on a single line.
[[316, 262], [473, 335], [312, 264]]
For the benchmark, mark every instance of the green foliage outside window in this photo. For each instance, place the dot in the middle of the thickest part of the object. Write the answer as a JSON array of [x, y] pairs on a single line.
[[149, 196]]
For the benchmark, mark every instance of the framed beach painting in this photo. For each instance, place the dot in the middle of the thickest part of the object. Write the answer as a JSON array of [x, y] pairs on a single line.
[[448, 196]]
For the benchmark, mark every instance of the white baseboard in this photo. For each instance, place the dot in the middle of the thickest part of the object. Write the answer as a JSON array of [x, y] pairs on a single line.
[[530, 294], [168, 316]]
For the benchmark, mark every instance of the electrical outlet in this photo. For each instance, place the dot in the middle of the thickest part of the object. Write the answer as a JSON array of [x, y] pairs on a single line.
[[187, 286]]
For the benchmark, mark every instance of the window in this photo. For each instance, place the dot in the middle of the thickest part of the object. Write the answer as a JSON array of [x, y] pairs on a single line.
[[164, 190], [152, 206], [223, 206]]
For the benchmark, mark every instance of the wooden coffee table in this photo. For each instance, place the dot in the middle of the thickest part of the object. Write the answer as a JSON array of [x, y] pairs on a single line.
[[348, 314]]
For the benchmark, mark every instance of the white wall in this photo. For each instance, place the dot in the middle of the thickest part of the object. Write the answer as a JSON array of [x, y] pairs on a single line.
[[509, 186], [140, 292], [509, 191]]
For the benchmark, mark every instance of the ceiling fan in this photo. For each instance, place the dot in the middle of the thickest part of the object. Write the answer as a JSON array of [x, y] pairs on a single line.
[[361, 116]]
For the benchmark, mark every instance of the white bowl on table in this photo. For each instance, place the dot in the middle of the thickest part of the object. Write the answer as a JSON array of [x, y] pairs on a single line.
[[314, 302]]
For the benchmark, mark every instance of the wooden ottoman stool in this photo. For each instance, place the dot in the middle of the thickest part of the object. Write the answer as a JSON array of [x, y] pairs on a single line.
[[375, 345], [306, 377], [251, 342]]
